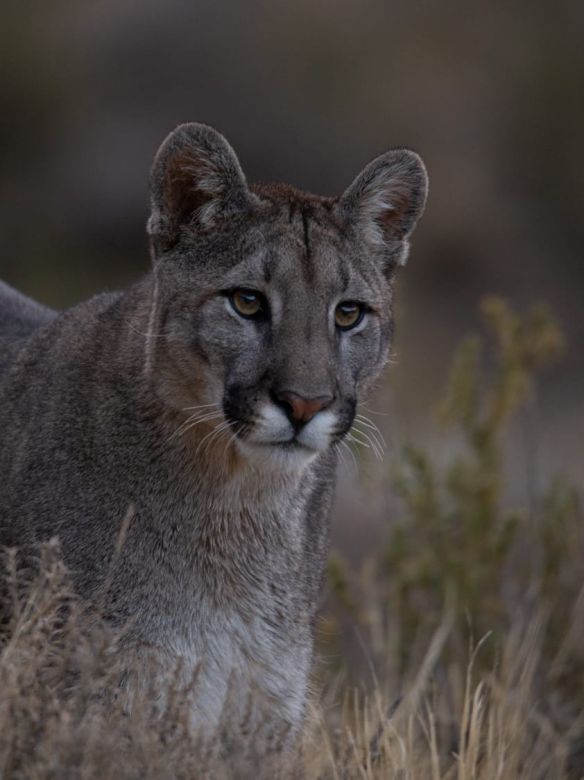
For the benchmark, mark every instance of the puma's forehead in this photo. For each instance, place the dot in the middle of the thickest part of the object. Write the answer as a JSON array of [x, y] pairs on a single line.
[[288, 196], [298, 242], [299, 248], [300, 218]]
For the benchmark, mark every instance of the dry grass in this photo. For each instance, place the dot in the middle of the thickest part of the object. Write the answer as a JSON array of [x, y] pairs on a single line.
[[470, 623], [57, 719]]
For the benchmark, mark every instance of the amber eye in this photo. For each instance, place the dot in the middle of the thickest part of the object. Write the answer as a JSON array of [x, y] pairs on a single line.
[[348, 314], [248, 303]]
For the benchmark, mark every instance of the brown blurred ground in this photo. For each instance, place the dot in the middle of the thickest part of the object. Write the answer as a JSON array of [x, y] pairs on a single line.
[[490, 94]]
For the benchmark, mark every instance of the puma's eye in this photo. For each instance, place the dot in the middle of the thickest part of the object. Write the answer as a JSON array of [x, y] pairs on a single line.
[[348, 314], [248, 303]]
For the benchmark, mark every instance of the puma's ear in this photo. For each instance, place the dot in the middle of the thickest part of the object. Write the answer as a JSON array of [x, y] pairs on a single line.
[[385, 201], [196, 177]]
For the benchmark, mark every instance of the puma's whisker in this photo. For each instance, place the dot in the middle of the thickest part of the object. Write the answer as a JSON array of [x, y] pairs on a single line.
[[372, 431], [344, 444], [340, 453], [368, 423], [199, 406], [211, 435], [195, 419], [369, 437], [373, 411]]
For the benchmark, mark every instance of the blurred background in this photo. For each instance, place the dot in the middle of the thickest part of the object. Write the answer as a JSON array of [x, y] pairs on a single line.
[[308, 92]]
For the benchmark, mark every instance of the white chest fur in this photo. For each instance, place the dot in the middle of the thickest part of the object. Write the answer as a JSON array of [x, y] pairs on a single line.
[[243, 630]]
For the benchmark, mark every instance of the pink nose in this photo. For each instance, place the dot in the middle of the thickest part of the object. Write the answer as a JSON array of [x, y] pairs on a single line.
[[300, 409]]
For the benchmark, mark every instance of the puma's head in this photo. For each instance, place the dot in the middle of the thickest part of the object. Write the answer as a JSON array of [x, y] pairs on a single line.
[[272, 310]]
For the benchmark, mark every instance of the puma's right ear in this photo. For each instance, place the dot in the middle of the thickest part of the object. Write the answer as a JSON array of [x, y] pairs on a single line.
[[195, 178], [385, 201]]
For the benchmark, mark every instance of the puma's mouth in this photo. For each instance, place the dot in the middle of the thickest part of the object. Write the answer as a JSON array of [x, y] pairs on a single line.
[[270, 434], [293, 444], [287, 455], [285, 445]]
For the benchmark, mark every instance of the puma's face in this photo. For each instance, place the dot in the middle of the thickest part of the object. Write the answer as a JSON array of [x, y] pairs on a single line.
[[274, 307], [289, 336]]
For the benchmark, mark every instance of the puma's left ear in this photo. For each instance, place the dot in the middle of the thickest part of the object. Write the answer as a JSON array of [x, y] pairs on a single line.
[[195, 180], [385, 201]]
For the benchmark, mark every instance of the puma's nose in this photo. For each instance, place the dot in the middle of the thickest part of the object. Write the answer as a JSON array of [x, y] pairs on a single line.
[[299, 409]]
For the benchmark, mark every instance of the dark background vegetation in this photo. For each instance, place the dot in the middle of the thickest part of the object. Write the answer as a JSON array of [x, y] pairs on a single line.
[[490, 94]]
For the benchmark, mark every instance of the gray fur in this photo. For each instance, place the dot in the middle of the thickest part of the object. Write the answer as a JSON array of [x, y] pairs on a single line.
[[223, 557], [19, 317]]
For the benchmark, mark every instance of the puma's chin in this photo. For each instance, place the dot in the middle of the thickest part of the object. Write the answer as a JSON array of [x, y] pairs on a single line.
[[289, 455]]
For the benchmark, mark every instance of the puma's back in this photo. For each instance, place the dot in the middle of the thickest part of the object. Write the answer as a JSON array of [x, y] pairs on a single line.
[[19, 317], [203, 410]]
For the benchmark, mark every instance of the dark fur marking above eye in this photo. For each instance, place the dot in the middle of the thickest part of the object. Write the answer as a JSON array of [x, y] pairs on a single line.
[[343, 273], [267, 268]]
